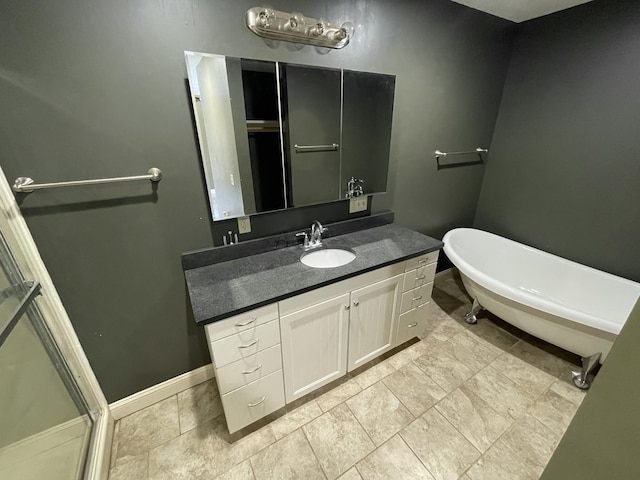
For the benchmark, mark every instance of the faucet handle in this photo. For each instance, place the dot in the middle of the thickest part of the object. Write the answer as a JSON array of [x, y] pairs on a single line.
[[306, 238]]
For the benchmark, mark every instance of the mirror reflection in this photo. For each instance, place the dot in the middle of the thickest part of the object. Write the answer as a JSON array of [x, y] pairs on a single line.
[[275, 135]]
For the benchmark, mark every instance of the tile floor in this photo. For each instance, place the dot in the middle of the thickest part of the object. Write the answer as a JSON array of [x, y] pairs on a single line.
[[466, 402]]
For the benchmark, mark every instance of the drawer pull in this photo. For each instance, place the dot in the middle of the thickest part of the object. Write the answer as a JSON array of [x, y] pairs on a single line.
[[421, 278], [423, 260], [257, 403], [416, 298], [248, 322], [248, 344], [411, 325], [247, 372]]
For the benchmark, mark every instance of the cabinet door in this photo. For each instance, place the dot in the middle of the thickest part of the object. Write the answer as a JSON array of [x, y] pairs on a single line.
[[373, 320], [314, 346]]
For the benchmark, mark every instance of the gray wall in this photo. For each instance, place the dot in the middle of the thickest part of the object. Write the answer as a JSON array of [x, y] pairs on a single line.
[[564, 168], [96, 89]]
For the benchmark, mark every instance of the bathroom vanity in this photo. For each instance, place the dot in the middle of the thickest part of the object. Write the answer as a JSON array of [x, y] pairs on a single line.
[[278, 329]]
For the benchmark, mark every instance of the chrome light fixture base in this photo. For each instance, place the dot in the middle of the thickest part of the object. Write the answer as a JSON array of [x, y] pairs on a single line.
[[294, 27]]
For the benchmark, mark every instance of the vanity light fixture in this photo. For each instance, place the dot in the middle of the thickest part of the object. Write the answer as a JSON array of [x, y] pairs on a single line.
[[294, 27]]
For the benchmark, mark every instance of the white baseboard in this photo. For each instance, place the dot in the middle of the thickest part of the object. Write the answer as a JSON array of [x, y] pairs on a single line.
[[155, 394]]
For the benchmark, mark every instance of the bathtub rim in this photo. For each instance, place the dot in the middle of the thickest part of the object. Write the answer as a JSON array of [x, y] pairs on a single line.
[[520, 296]]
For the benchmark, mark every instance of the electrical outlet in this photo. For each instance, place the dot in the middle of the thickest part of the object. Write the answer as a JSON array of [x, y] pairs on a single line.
[[244, 224], [358, 204]]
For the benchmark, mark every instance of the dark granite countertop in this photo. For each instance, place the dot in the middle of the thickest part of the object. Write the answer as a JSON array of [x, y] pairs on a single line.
[[224, 289]]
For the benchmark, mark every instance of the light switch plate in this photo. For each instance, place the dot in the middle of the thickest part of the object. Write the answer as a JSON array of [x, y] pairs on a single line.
[[358, 204], [244, 225]]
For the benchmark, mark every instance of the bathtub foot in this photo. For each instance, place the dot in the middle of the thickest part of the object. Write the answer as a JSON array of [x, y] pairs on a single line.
[[581, 379], [470, 317]]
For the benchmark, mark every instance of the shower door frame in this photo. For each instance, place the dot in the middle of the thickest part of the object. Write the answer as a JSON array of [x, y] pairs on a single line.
[[23, 247]]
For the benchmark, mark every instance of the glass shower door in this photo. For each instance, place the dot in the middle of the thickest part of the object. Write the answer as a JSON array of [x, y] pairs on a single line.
[[45, 425]]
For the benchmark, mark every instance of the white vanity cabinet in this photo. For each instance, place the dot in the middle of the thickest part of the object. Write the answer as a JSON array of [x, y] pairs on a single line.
[[334, 329], [416, 294], [247, 358], [314, 341], [281, 352], [373, 320]]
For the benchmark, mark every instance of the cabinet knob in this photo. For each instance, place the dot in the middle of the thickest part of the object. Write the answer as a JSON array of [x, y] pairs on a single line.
[[356, 303], [347, 307]]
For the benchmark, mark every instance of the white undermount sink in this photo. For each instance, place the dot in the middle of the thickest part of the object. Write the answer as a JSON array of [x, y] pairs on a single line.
[[327, 257]]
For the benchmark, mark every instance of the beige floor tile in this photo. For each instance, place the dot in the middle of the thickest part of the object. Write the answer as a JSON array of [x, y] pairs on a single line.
[[338, 440], [492, 336], [452, 286], [554, 411], [338, 395], [380, 413], [503, 394], [400, 359], [374, 374], [473, 417], [414, 389], [541, 359], [241, 471], [148, 428], [448, 328], [393, 460], [444, 369], [288, 458], [351, 474], [433, 341], [443, 450], [566, 389], [532, 442], [198, 404], [131, 467], [464, 348], [500, 463], [205, 451], [295, 419], [534, 380]]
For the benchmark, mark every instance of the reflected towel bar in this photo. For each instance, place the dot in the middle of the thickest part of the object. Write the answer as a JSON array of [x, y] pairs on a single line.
[[26, 184], [316, 148], [478, 150]]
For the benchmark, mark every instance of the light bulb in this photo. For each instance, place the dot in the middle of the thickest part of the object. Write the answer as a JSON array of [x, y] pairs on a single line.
[[266, 16], [296, 22], [345, 31], [319, 27]]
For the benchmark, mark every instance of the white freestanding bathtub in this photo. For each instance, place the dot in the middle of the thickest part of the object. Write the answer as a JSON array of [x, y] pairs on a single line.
[[565, 303]]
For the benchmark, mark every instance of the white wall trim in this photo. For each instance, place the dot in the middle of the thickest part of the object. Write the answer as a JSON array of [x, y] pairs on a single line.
[[160, 391]]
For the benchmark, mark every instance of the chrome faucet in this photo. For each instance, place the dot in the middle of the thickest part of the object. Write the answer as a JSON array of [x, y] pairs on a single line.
[[316, 234], [354, 187], [315, 239]]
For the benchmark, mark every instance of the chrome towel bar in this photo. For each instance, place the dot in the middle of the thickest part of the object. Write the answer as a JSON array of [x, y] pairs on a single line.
[[478, 150], [316, 148], [26, 184]]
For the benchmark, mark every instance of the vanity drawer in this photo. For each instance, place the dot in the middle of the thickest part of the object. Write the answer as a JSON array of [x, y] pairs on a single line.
[[416, 297], [249, 369], [245, 344], [247, 404], [421, 260], [412, 323], [244, 321], [419, 276]]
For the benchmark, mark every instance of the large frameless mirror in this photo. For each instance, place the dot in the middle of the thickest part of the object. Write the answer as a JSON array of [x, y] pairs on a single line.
[[275, 135]]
